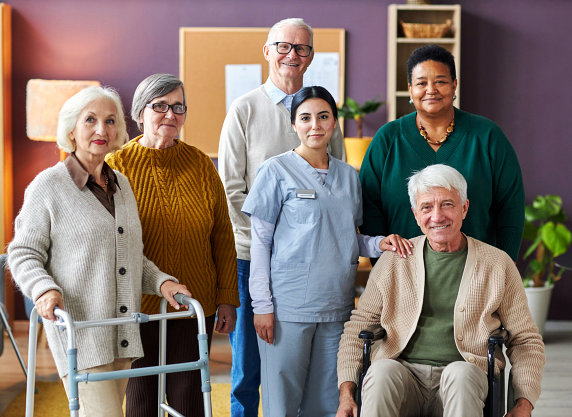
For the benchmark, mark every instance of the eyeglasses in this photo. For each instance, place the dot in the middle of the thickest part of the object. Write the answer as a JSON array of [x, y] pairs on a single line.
[[164, 107], [284, 48]]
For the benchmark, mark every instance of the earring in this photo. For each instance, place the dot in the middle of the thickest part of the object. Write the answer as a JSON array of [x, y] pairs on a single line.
[[455, 97], [410, 101]]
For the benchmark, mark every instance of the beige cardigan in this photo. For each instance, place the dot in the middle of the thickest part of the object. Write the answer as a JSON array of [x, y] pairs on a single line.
[[491, 294]]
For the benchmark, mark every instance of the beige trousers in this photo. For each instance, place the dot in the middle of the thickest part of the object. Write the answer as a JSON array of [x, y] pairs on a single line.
[[102, 398], [395, 388]]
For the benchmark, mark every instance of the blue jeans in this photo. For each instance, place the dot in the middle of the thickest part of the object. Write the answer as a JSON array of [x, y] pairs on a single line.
[[245, 371]]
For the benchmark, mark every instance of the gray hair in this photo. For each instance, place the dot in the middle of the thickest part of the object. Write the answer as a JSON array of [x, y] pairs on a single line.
[[72, 108], [435, 176], [292, 21], [156, 85]]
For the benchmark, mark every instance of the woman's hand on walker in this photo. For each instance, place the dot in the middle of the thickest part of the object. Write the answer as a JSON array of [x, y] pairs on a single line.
[[264, 325], [397, 244], [47, 302], [170, 288]]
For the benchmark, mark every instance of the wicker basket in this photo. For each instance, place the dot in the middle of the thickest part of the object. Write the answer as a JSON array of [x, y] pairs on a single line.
[[426, 30]]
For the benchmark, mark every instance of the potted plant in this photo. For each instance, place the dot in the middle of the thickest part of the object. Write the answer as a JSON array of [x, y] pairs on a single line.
[[544, 227], [357, 146]]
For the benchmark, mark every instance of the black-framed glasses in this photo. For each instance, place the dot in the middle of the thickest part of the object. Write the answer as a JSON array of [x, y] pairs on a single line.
[[164, 107], [301, 50]]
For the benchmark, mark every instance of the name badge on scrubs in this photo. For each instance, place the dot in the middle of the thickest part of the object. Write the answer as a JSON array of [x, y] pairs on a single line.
[[303, 193]]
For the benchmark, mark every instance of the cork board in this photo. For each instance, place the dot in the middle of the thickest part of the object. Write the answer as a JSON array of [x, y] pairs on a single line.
[[203, 55]]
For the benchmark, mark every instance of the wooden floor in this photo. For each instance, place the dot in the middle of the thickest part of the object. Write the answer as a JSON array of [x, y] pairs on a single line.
[[555, 401]]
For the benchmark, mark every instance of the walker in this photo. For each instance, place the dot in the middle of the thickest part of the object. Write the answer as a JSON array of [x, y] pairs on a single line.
[[65, 323]]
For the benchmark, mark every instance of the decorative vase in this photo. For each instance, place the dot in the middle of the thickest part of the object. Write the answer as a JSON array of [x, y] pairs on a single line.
[[538, 303], [355, 150]]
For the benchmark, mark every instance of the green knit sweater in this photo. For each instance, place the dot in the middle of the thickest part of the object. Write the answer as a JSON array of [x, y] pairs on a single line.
[[186, 229], [477, 148]]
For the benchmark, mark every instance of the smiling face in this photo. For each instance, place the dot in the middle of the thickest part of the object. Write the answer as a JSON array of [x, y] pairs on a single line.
[[314, 123], [95, 132], [163, 127], [289, 68], [440, 213], [432, 89]]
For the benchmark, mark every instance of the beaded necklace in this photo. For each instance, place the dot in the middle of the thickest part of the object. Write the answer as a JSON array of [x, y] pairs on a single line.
[[423, 133]]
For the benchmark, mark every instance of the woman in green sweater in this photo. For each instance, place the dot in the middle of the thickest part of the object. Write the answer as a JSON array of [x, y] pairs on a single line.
[[186, 232], [438, 133]]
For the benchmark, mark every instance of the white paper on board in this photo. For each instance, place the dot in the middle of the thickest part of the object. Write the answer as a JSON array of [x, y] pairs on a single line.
[[325, 71], [240, 79]]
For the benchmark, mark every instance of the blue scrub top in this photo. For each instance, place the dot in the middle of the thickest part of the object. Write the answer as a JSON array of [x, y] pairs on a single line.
[[314, 250]]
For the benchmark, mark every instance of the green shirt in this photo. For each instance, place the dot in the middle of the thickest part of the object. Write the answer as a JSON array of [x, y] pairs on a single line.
[[477, 148], [433, 342]]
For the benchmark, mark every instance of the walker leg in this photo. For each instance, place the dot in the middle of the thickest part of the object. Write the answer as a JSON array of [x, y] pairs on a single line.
[[207, 404], [72, 382], [162, 360], [32, 346], [205, 373]]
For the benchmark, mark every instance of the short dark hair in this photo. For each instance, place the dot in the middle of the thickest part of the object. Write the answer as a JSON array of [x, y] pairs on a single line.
[[312, 92], [431, 52]]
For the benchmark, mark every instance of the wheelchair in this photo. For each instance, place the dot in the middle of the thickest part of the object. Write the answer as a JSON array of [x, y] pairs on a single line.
[[495, 403]]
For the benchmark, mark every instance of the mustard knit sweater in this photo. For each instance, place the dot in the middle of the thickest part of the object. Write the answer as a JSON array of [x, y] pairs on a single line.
[[186, 229]]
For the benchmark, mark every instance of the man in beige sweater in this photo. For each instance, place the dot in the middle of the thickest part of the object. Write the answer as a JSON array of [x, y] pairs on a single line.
[[439, 307], [257, 127]]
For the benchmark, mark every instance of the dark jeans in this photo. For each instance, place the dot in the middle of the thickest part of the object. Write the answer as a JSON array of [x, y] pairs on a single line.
[[245, 371]]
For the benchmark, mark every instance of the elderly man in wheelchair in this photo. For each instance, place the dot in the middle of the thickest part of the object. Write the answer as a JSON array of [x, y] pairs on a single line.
[[439, 307]]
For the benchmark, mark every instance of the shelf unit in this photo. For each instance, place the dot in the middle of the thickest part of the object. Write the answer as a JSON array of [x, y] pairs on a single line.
[[399, 48]]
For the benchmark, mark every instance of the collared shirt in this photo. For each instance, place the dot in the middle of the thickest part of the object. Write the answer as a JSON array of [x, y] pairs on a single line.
[[82, 178], [277, 96]]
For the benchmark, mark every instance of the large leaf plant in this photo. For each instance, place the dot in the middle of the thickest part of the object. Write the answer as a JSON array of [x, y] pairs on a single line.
[[544, 227]]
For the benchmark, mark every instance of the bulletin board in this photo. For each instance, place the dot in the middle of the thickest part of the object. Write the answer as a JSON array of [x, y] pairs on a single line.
[[203, 55]]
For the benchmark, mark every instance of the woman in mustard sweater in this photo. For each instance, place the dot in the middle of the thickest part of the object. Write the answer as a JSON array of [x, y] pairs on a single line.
[[186, 232]]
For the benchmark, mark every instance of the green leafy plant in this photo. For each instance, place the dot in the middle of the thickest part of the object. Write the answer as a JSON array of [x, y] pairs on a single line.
[[544, 227], [352, 110]]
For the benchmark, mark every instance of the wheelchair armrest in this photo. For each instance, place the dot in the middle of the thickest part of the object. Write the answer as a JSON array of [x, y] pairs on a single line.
[[368, 335], [373, 333], [498, 337], [496, 340], [495, 405]]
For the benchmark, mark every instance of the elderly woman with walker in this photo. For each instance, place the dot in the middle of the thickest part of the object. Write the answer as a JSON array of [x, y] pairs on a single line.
[[186, 231], [78, 246], [305, 208]]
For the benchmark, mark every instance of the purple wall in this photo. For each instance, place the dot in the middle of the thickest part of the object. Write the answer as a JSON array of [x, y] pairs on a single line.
[[515, 63]]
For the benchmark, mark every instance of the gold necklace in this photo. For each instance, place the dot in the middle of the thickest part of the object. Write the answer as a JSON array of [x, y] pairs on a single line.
[[423, 133]]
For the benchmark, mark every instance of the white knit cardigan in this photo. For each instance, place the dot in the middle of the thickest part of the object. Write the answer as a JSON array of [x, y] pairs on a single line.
[[66, 240]]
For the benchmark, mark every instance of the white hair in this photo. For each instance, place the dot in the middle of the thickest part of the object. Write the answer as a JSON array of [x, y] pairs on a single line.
[[292, 21], [436, 176], [72, 108]]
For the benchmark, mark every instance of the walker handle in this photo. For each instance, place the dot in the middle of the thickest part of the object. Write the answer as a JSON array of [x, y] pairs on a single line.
[[183, 299]]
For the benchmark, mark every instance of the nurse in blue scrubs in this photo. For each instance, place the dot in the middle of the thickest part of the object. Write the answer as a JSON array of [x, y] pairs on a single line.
[[305, 208]]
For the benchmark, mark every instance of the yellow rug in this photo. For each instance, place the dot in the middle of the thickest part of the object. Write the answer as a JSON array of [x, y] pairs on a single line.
[[51, 401]]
